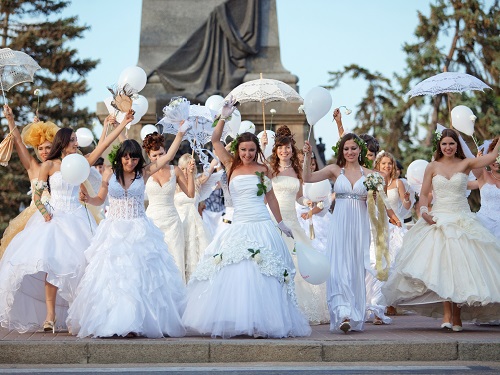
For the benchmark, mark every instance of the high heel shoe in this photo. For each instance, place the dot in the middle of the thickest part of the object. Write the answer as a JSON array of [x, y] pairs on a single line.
[[446, 325], [345, 326], [457, 328], [49, 325]]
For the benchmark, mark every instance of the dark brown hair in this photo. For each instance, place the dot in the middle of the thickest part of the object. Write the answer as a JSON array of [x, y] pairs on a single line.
[[341, 162], [493, 144], [284, 137], [60, 142], [452, 134], [244, 137]]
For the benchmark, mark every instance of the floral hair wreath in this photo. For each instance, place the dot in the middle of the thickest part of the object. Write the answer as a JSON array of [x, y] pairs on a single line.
[[234, 144], [112, 154], [362, 146], [435, 140]]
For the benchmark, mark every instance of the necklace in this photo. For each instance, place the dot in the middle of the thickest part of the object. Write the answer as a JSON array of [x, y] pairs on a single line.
[[493, 175], [286, 166]]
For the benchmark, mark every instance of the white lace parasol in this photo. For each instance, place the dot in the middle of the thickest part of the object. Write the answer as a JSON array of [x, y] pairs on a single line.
[[447, 82], [15, 67], [264, 90]]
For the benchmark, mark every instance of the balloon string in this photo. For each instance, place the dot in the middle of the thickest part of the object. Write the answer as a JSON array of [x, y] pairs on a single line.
[[88, 217], [310, 130]]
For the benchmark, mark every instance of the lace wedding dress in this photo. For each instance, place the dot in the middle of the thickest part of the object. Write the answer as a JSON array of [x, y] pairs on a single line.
[[456, 259], [311, 298], [53, 249], [131, 283], [244, 285], [162, 211]]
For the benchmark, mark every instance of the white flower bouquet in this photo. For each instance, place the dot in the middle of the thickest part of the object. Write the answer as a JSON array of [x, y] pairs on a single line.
[[374, 181]]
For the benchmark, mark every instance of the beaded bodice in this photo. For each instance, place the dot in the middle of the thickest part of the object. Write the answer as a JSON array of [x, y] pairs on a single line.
[[450, 193], [126, 204], [490, 201], [63, 196]]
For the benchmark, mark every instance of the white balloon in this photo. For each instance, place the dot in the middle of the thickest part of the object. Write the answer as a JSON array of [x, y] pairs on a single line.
[[75, 169], [415, 174], [147, 129], [84, 137], [234, 123], [463, 119], [270, 138], [317, 191], [214, 102], [313, 266], [134, 76], [317, 103], [247, 126]]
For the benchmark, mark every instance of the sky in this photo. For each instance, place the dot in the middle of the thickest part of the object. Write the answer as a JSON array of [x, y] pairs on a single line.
[[316, 36]]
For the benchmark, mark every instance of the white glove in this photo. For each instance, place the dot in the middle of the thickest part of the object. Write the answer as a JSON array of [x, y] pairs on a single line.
[[183, 127], [282, 226], [228, 108]]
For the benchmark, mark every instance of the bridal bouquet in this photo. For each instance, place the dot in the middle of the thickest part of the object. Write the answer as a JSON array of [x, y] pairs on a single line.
[[374, 181], [176, 111]]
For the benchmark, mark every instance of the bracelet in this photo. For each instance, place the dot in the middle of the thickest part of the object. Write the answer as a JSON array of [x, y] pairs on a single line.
[[223, 118], [424, 210]]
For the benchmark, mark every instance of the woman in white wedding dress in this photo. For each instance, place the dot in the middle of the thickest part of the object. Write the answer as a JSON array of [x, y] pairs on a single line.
[[45, 262], [131, 285], [160, 188], [287, 186], [196, 235], [38, 135], [448, 265], [489, 185], [244, 284], [349, 233]]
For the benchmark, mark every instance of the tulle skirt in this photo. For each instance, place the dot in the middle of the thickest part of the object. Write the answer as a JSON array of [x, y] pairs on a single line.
[[54, 250], [131, 284], [233, 293], [455, 260]]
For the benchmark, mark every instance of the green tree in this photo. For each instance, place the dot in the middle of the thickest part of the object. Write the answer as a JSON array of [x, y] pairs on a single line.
[[458, 35], [36, 28]]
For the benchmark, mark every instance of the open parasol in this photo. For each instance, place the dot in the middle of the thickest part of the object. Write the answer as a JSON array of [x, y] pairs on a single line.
[[264, 90], [15, 67], [447, 82]]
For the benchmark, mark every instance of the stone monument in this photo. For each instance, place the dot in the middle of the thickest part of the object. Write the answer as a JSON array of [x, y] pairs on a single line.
[[196, 49]]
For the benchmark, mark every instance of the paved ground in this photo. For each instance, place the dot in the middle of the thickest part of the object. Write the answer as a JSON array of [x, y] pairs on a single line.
[[409, 338]]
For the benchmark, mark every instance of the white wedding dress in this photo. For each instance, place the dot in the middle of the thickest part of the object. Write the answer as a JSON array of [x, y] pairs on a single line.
[[196, 235], [348, 250], [489, 213], [131, 283], [311, 298], [232, 293], [456, 259], [55, 249], [162, 211]]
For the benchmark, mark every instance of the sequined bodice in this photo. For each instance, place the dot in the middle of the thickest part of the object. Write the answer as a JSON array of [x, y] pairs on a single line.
[[63, 196], [449, 194], [161, 196], [126, 204], [286, 188], [490, 201]]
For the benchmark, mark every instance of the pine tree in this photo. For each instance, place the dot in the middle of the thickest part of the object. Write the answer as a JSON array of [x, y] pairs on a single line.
[[36, 28]]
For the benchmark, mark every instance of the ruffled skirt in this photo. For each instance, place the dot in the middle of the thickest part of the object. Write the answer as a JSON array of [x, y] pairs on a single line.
[[131, 284], [54, 250], [456, 259]]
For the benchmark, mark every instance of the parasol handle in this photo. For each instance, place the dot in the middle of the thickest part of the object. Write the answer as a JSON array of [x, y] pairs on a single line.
[[263, 115], [3, 93]]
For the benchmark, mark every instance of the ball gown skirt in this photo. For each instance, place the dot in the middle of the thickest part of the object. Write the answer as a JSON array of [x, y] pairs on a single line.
[[232, 293], [131, 284], [456, 259]]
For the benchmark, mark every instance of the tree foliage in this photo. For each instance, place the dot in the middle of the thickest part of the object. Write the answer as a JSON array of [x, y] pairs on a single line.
[[36, 28], [457, 35]]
